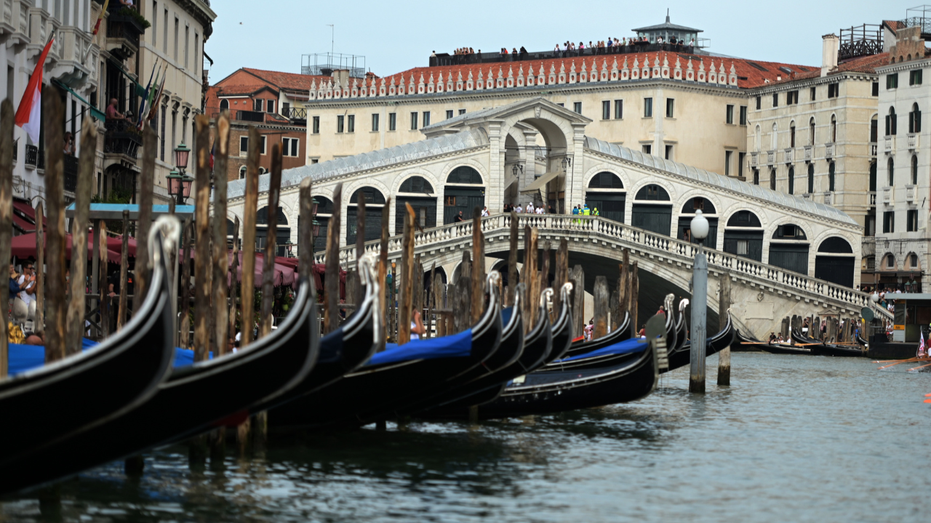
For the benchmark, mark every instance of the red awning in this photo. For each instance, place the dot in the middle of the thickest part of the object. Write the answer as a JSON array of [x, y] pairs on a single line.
[[24, 246], [23, 224], [25, 209]]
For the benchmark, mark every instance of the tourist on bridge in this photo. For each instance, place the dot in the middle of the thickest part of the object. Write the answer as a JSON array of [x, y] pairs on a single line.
[[459, 217], [540, 210], [518, 209], [586, 211], [530, 208], [485, 211]]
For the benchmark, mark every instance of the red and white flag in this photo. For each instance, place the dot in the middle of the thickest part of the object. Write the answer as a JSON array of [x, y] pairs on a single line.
[[922, 350], [29, 113]]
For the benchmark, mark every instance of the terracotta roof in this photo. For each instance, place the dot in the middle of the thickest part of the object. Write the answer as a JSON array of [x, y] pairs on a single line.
[[750, 73], [861, 64], [238, 90], [286, 81], [895, 25]]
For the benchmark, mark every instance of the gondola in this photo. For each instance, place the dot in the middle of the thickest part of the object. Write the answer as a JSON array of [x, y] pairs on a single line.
[[189, 401], [623, 332], [713, 345], [551, 392], [89, 389], [819, 348], [398, 376], [772, 348], [860, 340], [538, 345]]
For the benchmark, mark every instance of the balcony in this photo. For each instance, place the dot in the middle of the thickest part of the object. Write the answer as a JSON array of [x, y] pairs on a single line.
[[754, 160], [790, 155], [913, 142], [808, 149], [123, 31], [71, 173], [887, 196], [14, 21], [32, 156], [910, 193], [770, 158], [872, 198], [889, 144], [297, 115], [122, 139], [250, 116], [829, 150]]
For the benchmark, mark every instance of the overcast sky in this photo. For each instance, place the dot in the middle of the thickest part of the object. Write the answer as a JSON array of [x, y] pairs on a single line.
[[397, 35]]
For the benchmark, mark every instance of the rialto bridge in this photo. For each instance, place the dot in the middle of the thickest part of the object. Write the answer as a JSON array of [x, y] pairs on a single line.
[[790, 255]]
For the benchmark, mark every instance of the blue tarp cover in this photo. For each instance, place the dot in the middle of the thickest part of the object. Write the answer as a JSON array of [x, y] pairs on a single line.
[[455, 346], [624, 347], [27, 357]]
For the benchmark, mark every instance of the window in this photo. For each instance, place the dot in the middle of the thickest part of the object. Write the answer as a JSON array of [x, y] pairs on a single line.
[[772, 179], [890, 166], [890, 262], [759, 103], [833, 90], [811, 131], [316, 125], [605, 109], [243, 146], [426, 118], [165, 35], [286, 109], [340, 120], [811, 178], [618, 109], [892, 81], [414, 116], [374, 122], [449, 114], [242, 172], [648, 108], [729, 114], [756, 177], [889, 222], [874, 129], [264, 145], [792, 98], [177, 30], [187, 38], [392, 121], [890, 122], [670, 108], [791, 180], [577, 107], [728, 156], [741, 159], [315, 160], [290, 146], [833, 129], [743, 247], [831, 170], [775, 99], [911, 219], [462, 111], [914, 77], [875, 88], [257, 105], [351, 123], [647, 149], [154, 24], [812, 93], [792, 135], [668, 152], [914, 119], [270, 106], [869, 227], [743, 115], [914, 169]]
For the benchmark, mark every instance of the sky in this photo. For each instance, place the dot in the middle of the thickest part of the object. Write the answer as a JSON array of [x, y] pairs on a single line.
[[394, 36]]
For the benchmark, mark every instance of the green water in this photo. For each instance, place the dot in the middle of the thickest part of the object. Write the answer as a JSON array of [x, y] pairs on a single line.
[[794, 438]]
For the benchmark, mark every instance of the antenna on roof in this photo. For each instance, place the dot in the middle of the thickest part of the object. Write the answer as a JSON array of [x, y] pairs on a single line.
[[667, 15]]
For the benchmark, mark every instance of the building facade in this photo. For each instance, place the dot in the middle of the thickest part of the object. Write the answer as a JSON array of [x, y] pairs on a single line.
[[901, 254]]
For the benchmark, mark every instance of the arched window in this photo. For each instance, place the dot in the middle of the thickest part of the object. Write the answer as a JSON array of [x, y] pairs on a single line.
[[464, 174], [792, 134], [891, 166], [370, 194], [888, 262], [873, 176], [224, 105], [744, 219], [831, 167], [811, 131], [914, 169], [774, 141], [416, 184], [242, 172], [772, 179], [756, 141], [789, 231], [835, 245], [833, 129], [890, 122], [698, 204], [911, 262], [914, 120], [605, 180], [791, 179], [653, 192], [874, 129], [811, 178]]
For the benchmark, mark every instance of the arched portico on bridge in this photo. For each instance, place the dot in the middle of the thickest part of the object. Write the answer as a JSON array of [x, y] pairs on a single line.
[[743, 235]]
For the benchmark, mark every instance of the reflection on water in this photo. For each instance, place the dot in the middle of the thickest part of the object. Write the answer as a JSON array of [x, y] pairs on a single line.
[[793, 439]]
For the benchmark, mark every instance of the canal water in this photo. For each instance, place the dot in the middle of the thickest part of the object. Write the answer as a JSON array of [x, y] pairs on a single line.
[[793, 439]]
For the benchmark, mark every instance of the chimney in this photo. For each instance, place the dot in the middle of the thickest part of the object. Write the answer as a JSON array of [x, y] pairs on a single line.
[[830, 43], [342, 76]]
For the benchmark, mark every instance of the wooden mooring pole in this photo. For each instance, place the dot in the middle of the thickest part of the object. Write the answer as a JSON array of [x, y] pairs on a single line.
[[52, 113], [40, 264], [383, 278], [218, 229], [407, 278], [124, 275], [144, 222], [82, 202], [478, 266], [601, 307], [512, 259], [724, 303], [331, 279], [271, 247]]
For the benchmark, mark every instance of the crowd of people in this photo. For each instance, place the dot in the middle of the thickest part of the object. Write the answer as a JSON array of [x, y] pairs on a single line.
[[529, 209]]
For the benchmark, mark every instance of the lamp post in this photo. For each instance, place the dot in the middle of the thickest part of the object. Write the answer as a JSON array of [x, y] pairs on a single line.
[[179, 183], [699, 229]]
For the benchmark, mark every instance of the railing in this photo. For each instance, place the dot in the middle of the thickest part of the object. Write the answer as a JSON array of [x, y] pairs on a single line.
[[770, 157], [497, 228], [126, 28], [913, 141], [873, 149], [889, 144], [808, 149], [71, 173], [295, 113], [122, 141], [250, 116], [32, 156], [790, 156], [754, 159], [444, 59], [829, 150]]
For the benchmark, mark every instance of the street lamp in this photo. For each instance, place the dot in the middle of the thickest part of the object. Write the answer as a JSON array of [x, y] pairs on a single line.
[[179, 183], [699, 228], [517, 168], [290, 246]]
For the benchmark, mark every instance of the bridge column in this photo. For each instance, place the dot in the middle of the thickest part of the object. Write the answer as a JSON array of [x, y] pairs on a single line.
[[575, 190], [494, 180]]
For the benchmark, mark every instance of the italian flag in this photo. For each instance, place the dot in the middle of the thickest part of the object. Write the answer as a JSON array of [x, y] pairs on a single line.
[[29, 113]]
